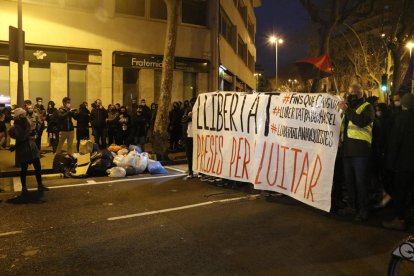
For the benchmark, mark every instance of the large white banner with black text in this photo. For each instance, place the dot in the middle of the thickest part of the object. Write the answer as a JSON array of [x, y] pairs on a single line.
[[285, 143]]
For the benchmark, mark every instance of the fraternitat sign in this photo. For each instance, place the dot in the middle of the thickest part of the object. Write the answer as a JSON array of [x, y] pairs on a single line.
[[155, 62]]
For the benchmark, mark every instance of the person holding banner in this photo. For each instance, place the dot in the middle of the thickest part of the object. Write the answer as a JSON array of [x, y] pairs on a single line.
[[356, 139]]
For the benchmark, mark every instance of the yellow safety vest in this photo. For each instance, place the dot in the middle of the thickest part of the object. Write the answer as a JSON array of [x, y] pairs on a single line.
[[356, 132]]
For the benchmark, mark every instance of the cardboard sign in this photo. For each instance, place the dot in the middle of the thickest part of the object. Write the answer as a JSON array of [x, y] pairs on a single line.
[[285, 143]]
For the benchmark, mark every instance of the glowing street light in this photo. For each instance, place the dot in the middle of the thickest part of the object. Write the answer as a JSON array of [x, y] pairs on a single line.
[[410, 46], [276, 40]]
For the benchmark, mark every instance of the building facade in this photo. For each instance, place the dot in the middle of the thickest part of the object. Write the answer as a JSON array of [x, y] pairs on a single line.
[[113, 49]]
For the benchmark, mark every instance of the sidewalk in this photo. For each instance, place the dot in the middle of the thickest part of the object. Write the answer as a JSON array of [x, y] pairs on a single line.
[[8, 170]]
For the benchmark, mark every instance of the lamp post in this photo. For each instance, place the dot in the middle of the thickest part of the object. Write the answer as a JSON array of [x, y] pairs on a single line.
[[276, 41]]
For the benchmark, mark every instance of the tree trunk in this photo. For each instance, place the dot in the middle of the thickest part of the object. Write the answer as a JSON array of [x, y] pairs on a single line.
[[160, 138], [396, 53]]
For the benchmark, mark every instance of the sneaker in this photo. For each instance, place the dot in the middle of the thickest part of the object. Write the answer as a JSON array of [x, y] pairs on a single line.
[[396, 224], [211, 179], [204, 178], [384, 202]]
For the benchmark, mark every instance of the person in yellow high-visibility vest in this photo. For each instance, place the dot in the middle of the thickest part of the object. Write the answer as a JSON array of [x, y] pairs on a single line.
[[356, 139]]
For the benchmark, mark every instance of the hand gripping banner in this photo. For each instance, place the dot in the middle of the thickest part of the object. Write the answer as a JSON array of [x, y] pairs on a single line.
[[285, 143]]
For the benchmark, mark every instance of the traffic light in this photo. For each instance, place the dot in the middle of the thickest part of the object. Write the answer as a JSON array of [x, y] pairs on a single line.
[[384, 83]]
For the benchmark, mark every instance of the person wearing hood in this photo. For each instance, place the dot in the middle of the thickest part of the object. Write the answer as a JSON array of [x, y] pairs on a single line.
[[401, 161], [112, 122], [25, 149], [356, 139]]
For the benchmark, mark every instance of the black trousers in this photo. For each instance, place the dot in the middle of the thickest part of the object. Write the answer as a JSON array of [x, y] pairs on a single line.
[[189, 154], [100, 136], [403, 188], [38, 172]]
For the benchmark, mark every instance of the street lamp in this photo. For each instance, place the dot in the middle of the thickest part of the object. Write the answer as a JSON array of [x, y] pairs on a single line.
[[276, 40], [410, 46]]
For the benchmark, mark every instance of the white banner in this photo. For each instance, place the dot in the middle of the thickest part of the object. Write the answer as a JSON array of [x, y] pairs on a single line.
[[285, 143]]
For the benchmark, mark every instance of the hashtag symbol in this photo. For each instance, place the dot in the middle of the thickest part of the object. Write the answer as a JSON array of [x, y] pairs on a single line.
[[276, 111], [286, 99], [273, 128]]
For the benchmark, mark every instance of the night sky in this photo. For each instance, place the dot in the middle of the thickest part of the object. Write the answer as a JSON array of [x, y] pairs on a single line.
[[289, 20]]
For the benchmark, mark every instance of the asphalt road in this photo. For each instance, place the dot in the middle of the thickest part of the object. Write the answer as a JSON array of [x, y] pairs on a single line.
[[84, 230]]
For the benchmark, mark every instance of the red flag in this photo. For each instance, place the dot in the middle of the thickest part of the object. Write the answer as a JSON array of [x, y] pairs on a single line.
[[316, 67]]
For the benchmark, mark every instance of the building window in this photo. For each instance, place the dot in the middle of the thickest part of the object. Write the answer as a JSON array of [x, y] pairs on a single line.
[[189, 85], [195, 12], [157, 85], [250, 29], [130, 7], [77, 84], [227, 30], [82, 4], [158, 9], [243, 11], [39, 81], [4, 78], [242, 49]]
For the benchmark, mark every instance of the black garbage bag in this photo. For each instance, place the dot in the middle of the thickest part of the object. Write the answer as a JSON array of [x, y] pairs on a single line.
[[99, 167], [102, 154], [129, 170], [63, 163]]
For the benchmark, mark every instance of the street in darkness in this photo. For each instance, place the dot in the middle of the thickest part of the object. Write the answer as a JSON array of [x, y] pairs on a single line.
[[154, 225]]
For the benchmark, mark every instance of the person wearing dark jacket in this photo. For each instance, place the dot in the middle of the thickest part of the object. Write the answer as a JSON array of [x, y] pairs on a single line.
[[356, 139], [65, 114], [52, 120], [82, 127], [7, 120], [401, 161], [41, 111], [26, 149], [123, 128], [139, 128], [175, 126], [98, 122], [112, 122]]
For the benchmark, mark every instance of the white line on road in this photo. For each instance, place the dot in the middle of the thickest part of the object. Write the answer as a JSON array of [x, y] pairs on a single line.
[[183, 207], [90, 183], [10, 233]]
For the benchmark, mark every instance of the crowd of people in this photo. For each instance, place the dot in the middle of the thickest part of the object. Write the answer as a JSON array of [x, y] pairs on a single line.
[[375, 161], [115, 124]]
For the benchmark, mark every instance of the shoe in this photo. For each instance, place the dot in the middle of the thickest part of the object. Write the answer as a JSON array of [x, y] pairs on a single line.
[[42, 188], [361, 216], [396, 224], [211, 179], [190, 176], [384, 202], [347, 211], [204, 178]]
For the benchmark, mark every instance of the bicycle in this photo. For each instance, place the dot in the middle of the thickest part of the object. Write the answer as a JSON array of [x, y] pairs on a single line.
[[402, 258]]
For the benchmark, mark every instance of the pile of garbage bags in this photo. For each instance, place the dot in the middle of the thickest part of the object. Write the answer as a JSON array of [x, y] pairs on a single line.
[[116, 161]]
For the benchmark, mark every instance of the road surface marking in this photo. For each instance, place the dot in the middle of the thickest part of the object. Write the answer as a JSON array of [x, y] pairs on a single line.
[[183, 207], [10, 233], [90, 183]]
